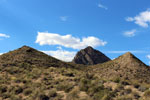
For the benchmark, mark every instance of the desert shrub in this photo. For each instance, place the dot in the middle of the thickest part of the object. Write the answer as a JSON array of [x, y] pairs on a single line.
[[5, 95], [27, 92], [135, 83], [127, 91], [43, 97], [36, 73], [52, 93], [136, 95], [69, 74], [147, 93], [95, 89], [25, 65], [3, 89], [18, 80], [18, 90], [89, 76], [119, 87], [14, 70], [107, 97], [142, 88], [124, 98], [99, 95], [73, 95], [64, 86], [125, 83], [58, 97], [84, 84], [14, 97], [116, 80]]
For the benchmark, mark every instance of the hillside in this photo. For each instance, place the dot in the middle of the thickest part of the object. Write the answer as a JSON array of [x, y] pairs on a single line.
[[90, 56], [127, 73], [126, 66], [28, 74], [27, 56]]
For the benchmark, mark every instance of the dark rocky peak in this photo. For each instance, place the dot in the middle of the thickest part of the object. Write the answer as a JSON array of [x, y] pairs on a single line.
[[90, 56]]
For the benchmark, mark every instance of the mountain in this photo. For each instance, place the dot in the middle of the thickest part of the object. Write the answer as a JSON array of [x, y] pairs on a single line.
[[90, 56], [126, 66], [27, 56], [28, 74]]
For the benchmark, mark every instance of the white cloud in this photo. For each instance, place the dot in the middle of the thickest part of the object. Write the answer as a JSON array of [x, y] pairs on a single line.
[[1, 53], [45, 38], [4, 35], [62, 54], [102, 6], [143, 19], [148, 56], [130, 33], [64, 18]]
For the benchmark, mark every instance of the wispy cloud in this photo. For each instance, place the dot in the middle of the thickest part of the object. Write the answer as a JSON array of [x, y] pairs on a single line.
[[102, 6], [4, 35], [45, 38], [124, 51], [61, 54], [142, 19], [130, 33], [64, 18], [148, 56]]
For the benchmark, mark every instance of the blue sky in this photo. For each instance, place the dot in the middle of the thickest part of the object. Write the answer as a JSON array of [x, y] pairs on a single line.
[[62, 27]]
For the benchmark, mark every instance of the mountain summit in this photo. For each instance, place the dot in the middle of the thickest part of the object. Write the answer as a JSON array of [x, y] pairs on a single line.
[[29, 57], [126, 66], [90, 56]]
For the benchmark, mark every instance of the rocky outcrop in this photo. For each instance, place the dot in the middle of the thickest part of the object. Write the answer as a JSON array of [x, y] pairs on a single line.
[[90, 56]]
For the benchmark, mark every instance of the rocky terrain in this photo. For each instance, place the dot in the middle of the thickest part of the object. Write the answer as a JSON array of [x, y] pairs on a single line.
[[28, 74], [90, 56]]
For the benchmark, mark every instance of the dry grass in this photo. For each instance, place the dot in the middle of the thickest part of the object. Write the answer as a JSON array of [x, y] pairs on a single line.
[[27, 74]]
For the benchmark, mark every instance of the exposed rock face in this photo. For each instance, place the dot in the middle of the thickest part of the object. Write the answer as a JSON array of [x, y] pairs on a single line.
[[90, 56]]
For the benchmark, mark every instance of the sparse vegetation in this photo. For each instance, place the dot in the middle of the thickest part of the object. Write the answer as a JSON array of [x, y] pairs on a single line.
[[26, 74]]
